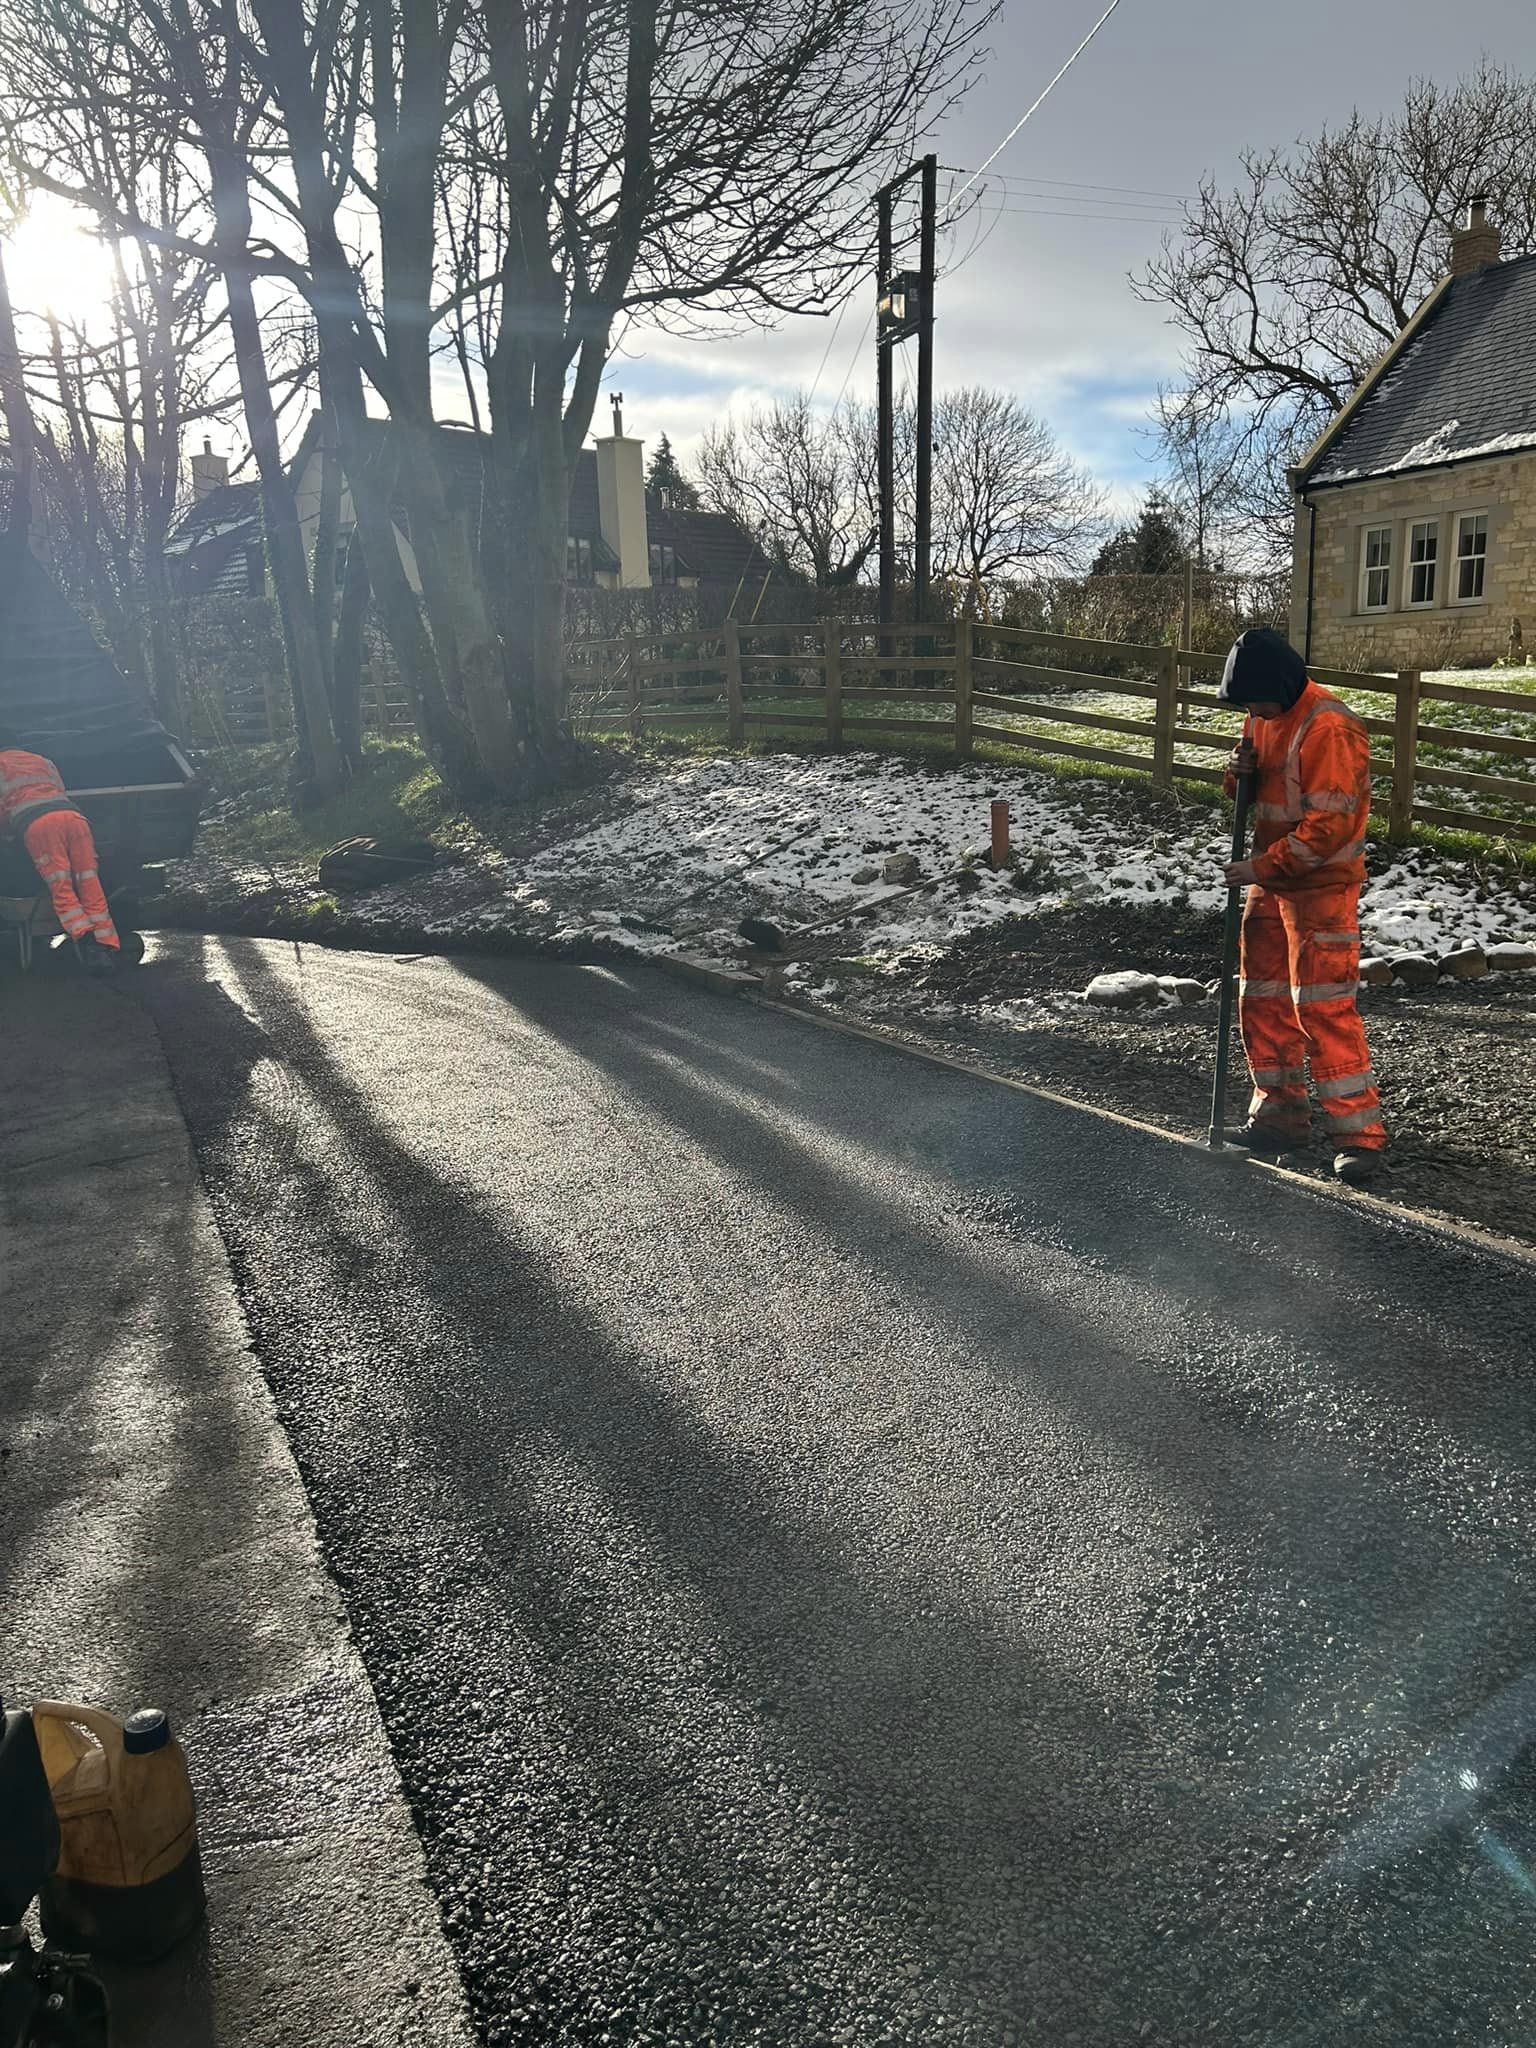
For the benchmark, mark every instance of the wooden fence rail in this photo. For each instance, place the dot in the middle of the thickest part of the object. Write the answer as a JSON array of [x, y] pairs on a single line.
[[835, 674]]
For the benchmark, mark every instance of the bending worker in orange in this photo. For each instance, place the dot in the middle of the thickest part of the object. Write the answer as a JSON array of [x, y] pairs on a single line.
[[33, 804], [1301, 923]]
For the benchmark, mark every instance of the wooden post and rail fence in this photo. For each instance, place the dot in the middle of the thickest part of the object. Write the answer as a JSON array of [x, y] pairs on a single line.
[[844, 680]]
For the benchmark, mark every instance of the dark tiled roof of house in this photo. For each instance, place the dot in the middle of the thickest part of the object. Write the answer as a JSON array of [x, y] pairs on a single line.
[[463, 454], [709, 545], [1463, 386], [224, 511]]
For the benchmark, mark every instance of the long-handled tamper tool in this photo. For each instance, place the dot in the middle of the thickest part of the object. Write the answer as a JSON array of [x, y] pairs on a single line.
[[1229, 939]]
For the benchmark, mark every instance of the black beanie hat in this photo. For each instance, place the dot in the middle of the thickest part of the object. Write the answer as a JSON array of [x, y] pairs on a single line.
[[1263, 668]]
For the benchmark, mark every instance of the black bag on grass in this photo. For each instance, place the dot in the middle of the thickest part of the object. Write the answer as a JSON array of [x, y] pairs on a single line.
[[358, 864]]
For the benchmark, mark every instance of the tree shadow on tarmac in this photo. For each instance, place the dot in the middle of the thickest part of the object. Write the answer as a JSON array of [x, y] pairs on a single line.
[[708, 1745]]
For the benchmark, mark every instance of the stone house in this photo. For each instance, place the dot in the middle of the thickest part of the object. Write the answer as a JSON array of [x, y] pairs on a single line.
[[1416, 506]]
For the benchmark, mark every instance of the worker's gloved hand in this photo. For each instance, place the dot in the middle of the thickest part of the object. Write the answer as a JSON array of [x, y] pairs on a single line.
[[1239, 874], [1244, 759]]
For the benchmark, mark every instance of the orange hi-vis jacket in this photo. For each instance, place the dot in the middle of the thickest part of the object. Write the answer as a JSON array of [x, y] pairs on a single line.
[[1313, 795], [29, 786]]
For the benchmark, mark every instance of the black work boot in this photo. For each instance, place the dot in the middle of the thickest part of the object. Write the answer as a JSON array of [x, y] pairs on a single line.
[[1356, 1165], [1266, 1141]]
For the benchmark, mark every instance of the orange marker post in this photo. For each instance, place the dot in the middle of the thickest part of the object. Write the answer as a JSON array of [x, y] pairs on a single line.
[[1000, 846]]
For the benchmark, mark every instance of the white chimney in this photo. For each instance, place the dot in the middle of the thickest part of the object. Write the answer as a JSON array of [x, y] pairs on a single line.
[[621, 501], [209, 471]]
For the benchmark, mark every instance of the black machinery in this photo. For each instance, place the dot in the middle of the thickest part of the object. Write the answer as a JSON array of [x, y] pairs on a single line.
[[66, 698], [47, 2000]]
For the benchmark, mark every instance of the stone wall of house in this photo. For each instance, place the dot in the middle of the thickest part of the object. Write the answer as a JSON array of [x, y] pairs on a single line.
[[1450, 635]]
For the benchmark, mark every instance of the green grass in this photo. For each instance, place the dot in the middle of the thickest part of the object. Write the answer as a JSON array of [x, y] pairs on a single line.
[[395, 791]]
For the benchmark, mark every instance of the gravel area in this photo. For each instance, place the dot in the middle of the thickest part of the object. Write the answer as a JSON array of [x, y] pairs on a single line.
[[1456, 1063]]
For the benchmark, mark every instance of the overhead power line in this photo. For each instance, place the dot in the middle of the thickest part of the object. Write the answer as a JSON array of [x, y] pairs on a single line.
[[858, 350], [1012, 178], [1142, 220], [1040, 99]]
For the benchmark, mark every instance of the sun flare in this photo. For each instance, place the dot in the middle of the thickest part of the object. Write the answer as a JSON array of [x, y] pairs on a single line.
[[55, 264]]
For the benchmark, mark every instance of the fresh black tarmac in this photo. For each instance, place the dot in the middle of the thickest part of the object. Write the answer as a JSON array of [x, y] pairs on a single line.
[[852, 1555]]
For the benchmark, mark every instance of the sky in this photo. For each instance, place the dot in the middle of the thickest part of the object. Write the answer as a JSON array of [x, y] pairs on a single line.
[[1169, 90]]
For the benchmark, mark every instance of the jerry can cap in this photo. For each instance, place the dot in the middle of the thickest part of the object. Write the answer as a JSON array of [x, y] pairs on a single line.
[[145, 1731]]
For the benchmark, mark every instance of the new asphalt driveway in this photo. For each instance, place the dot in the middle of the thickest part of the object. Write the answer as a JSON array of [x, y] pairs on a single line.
[[848, 1554]]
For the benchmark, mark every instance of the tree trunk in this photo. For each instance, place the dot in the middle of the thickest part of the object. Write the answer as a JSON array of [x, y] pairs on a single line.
[[453, 591], [347, 660], [21, 431], [543, 678], [446, 740], [164, 668], [449, 745], [327, 533], [280, 518]]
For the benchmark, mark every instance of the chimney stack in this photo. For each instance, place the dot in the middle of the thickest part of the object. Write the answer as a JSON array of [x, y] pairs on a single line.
[[621, 501], [209, 471], [1477, 246]]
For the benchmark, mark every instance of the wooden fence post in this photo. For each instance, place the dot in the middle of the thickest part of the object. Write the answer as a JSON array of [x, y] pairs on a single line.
[[636, 711], [832, 671], [1405, 747], [736, 720], [965, 633], [1165, 718]]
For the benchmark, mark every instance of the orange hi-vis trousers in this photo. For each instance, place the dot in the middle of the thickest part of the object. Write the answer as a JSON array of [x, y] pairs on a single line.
[[64, 854], [1296, 1006]]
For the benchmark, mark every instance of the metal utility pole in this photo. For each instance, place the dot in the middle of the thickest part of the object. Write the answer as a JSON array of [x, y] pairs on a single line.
[[904, 307]]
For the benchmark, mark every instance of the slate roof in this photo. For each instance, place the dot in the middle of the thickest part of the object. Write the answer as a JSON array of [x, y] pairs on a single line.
[[463, 452], [226, 510], [1464, 386], [709, 545]]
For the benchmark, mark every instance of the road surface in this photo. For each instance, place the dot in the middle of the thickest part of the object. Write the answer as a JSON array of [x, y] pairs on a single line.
[[851, 1555]]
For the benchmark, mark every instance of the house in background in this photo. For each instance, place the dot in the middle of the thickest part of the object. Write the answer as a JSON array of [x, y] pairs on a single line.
[[216, 549], [1416, 507], [619, 536]]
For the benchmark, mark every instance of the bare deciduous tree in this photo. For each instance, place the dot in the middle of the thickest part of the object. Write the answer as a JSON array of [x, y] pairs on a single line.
[[591, 163], [802, 481], [1225, 480], [171, 78], [1007, 501], [604, 163]]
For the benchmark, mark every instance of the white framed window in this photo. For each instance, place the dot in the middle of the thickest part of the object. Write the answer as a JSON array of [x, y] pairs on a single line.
[[1471, 556], [1375, 568], [578, 560], [1423, 561]]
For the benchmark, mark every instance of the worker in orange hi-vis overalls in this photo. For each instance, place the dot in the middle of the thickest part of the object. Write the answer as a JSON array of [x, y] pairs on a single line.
[[34, 805], [1301, 923]]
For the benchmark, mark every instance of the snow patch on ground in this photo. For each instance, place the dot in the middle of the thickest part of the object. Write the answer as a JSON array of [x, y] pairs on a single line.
[[701, 843], [787, 833]]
